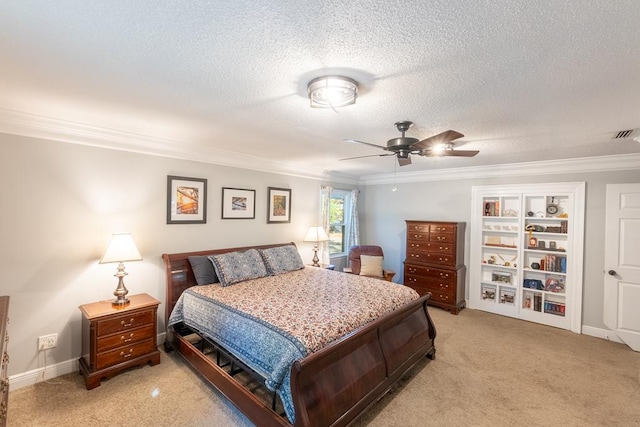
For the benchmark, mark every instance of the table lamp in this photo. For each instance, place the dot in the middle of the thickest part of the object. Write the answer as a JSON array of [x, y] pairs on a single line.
[[121, 249], [316, 235]]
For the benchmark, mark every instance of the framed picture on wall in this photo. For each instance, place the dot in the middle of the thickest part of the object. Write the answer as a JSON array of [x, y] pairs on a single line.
[[238, 203], [186, 200], [278, 205]]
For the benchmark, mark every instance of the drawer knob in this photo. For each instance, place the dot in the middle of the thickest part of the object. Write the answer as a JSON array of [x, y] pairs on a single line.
[[123, 354], [126, 325], [124, 339]]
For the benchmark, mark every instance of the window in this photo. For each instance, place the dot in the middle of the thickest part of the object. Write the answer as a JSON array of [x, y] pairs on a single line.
[[338, 221]]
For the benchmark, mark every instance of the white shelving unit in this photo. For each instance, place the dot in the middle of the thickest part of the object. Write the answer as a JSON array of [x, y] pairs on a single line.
[[527, 252]]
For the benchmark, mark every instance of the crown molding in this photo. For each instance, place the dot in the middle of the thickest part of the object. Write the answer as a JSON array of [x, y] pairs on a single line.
[[36, 126], [549, 167]]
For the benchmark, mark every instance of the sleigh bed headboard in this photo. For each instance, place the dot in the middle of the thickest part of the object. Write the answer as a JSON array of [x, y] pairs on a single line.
[[180, 275]]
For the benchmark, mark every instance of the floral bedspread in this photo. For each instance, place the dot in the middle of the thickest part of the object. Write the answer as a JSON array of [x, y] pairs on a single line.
[[271, 322]]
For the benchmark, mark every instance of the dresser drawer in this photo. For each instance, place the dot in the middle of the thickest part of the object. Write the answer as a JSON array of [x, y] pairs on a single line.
[[434, 285], [416, 226], [431, 258], [436, 296], [442, 228], [124, 354], [123, 323], [442, 237], [125, 338], [441, 248], [417, 236], [429, 272]]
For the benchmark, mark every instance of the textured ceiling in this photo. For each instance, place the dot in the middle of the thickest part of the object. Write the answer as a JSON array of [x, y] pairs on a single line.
[[225, 81]]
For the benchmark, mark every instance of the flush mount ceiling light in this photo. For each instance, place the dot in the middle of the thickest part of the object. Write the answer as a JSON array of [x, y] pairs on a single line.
[[332, 92]]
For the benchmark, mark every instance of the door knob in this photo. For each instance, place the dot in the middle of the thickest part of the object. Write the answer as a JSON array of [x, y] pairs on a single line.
[[612, 272]]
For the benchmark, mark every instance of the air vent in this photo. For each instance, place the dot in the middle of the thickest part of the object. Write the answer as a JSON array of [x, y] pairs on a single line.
[[626, 134]]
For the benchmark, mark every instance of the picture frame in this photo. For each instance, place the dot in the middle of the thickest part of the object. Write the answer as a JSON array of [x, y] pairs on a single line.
[[186, 200], [238, 203], [501, 277], [278, 205]]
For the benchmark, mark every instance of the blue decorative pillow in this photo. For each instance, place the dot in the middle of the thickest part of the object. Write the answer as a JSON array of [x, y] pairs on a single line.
[[281, 259], [203, 270], [234, 267]]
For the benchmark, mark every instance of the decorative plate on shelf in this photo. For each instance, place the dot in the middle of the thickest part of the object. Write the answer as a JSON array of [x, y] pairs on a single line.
[[552, 208]]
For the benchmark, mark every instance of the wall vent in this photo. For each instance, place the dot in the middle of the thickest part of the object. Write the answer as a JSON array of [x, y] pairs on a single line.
[[626, 134]]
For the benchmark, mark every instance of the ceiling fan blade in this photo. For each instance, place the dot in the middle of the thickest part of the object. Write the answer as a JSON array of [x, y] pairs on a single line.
[[456, 153], [441, 138], [370, 155], [404, 162], [365, 143]]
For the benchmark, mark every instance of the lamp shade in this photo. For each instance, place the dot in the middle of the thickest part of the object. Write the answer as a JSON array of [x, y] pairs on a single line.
[[316, 234], [121, 248]]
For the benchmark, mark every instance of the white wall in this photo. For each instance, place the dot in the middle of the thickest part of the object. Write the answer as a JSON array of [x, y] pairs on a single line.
[[61, 203], [451, 201]]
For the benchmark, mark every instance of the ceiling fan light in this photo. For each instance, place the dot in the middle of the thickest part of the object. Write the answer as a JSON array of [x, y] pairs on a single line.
[[332, 91]]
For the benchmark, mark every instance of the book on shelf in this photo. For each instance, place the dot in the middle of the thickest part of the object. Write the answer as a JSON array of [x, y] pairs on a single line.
[[537, 302], [492, 208], [554, 308]]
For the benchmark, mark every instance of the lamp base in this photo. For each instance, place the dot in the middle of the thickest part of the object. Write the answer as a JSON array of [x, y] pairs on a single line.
[[120, 302], [316, 260], [121, 291]]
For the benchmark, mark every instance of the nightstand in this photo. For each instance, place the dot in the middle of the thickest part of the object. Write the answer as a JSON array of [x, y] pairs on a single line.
[[118, 338]]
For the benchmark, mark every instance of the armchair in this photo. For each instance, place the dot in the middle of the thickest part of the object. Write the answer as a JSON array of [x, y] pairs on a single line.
[[371, 264]]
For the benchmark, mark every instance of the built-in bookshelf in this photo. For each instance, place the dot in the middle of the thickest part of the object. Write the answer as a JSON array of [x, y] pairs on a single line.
[[527, 251]]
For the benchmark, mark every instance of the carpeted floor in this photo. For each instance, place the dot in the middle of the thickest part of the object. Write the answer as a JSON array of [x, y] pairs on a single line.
[[489, 370]]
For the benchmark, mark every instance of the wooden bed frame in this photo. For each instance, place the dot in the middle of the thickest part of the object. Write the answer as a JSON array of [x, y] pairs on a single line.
[[332, 386]]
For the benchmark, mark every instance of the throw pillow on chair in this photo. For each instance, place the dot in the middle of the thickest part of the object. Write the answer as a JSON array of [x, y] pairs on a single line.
[[371, 266]]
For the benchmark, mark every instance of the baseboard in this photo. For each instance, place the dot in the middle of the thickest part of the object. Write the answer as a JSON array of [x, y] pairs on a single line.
[[25, 379], [605, 334]]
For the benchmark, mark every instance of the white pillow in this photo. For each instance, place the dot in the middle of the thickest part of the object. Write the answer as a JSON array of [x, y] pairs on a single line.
[[371, 266]]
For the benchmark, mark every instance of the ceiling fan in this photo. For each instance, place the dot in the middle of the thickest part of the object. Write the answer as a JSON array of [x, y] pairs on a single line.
[[439, 145]]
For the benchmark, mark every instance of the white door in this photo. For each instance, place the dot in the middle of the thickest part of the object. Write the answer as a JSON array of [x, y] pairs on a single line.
[[622, 263]]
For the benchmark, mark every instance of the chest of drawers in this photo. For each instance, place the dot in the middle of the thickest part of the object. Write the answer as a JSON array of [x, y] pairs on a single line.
[[4, 377], [118, 338], [435, 262]]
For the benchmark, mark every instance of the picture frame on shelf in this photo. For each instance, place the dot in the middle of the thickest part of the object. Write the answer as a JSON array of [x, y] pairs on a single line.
[[238, 203], [507, 296], [278, 205], [488, 293], [186, 200], [501, 277]]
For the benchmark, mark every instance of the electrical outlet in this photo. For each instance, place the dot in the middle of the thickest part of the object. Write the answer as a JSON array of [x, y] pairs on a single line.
[[47, 341]]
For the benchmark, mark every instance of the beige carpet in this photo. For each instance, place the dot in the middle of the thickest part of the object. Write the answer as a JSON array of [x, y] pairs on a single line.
[[489, 370]]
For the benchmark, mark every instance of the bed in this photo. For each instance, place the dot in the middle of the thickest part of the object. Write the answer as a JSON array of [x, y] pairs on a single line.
[[321, 381]]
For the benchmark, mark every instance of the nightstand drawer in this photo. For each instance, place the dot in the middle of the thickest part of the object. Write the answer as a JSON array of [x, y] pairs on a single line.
[[124, 354], [125, 338], [125, 322]]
